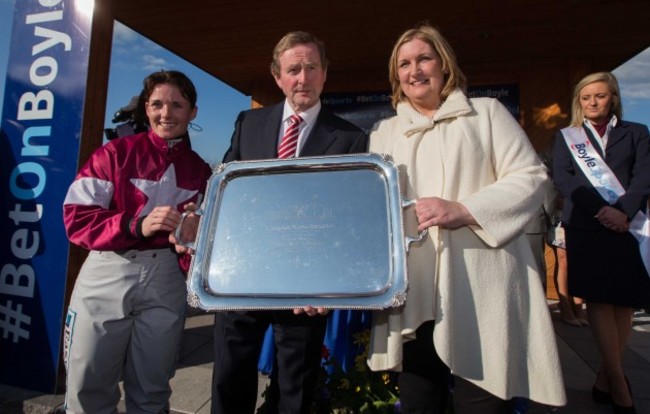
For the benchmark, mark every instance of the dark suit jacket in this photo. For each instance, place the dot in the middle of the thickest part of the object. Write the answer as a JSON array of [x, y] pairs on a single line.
[[257, 131], [628, 156], [256, 137]]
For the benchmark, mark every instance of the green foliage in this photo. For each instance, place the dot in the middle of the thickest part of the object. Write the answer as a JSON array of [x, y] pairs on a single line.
[[359, 391]]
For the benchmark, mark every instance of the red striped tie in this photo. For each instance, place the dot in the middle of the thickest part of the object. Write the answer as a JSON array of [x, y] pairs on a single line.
[[290, 139]]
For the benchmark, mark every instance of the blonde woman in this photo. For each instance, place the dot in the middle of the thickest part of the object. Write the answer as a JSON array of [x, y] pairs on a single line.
[[475, 303], [605, 263]]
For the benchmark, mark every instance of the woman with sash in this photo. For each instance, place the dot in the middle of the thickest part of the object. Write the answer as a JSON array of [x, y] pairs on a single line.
[[601, 166]]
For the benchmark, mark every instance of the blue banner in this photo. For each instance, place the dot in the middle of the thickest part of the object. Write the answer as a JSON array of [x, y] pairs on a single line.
[[39, 147], [363, 109], [507, 94]]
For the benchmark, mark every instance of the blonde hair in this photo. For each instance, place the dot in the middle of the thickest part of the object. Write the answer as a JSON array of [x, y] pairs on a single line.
[[616, 108], [454, 76]]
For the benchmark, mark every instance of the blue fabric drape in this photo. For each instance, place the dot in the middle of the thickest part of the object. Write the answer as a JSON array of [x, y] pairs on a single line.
[[339, 337]]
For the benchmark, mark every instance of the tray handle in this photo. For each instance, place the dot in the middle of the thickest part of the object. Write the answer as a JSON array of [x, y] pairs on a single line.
[[178, 233], [421, 235]]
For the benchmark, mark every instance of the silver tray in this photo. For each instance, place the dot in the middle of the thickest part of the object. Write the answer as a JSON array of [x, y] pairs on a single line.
[[319, 231]]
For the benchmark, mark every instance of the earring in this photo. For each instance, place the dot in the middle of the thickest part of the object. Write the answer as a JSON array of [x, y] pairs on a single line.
[[195, 127]]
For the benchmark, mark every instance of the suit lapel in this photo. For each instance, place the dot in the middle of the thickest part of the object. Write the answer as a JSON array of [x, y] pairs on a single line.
[[616, 135], [594, 141], [269, 130], [321, 136]]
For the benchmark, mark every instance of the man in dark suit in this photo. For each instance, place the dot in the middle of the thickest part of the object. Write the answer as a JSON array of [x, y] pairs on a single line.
[[299, 67]]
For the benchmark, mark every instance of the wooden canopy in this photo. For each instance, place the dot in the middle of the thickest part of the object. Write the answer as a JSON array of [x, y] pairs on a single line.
[[544, 46]]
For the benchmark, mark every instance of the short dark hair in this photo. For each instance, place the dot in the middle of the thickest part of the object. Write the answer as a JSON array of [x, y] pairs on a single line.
[[172, 77]]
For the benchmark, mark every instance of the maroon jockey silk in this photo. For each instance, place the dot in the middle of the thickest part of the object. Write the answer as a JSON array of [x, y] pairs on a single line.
[[125, 180]]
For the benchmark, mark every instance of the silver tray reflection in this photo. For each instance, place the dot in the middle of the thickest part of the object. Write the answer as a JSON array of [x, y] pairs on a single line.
[[321, 231]]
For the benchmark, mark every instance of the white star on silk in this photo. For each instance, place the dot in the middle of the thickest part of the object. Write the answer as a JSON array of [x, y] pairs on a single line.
[[163, 192]]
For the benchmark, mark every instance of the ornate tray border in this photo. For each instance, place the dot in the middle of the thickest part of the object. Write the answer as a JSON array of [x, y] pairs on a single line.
[[394, 295]]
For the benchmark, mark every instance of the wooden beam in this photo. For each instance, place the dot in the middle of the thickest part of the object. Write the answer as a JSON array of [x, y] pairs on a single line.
[[92, 128]]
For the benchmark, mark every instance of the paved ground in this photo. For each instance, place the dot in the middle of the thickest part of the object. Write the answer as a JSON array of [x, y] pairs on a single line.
[[191, 385]]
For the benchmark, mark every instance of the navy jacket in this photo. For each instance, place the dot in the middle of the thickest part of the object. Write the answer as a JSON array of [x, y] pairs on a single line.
[[628, 156], [257, 131]]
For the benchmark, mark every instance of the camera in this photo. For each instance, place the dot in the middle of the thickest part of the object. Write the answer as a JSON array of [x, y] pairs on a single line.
[[131, 119]]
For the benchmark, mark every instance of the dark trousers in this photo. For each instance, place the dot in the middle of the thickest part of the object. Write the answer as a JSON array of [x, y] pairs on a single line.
[[425, 379], [238, 340], [470, 399]]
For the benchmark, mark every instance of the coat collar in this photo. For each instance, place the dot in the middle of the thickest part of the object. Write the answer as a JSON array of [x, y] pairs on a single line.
[[181, 142], [616, 135], [412, 122], [321, 136]]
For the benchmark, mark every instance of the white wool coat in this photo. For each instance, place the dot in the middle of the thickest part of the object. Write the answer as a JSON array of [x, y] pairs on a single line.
[[479, 283]]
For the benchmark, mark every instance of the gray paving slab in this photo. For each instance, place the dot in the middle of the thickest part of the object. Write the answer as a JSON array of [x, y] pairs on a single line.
[[191, 383]]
